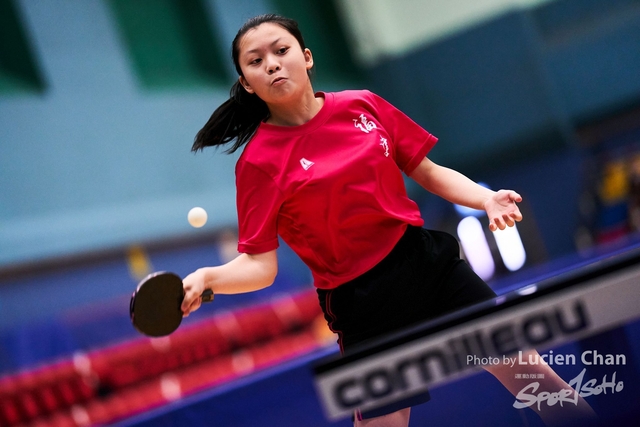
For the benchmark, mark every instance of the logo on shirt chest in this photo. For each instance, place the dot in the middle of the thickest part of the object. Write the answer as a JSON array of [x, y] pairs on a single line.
[[385, 145], [364, 124], [306, 164]]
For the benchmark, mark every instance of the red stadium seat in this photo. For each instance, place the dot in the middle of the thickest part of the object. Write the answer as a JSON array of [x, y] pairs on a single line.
[[143, 373]]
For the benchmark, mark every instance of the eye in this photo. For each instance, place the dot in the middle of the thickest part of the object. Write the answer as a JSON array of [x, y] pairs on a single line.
[[255, 61], [283, 50]]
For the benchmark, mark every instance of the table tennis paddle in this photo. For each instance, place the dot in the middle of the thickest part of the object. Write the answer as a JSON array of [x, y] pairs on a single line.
[[155, 304]]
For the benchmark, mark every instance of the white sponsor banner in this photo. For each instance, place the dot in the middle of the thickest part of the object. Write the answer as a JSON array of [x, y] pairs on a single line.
[[408, 369]]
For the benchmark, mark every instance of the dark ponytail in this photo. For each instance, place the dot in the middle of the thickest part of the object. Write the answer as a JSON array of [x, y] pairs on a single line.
[[239, 117]]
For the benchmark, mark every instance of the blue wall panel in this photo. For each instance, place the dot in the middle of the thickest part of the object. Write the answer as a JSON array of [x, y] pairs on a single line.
[[97, 162]]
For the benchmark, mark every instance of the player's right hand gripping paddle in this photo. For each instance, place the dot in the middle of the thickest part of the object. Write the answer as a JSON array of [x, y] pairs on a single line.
[[155, 304]]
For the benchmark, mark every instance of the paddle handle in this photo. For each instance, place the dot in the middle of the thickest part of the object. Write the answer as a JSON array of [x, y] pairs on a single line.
[[207, 296]]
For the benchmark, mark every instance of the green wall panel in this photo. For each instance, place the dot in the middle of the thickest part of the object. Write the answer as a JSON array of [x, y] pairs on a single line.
[[171, 43], [320, 26], [18, 70]]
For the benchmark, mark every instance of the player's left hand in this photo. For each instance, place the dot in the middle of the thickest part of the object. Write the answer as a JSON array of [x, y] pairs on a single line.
[[502, 210]]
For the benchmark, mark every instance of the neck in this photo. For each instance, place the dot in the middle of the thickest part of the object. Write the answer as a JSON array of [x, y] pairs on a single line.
[[295, 113]]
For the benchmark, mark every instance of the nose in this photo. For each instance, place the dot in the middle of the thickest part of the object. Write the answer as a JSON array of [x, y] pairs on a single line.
[[272, 65], [273, 69]]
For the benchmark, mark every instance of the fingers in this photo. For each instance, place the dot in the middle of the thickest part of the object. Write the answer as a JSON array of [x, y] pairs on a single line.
[[507, 220], [515, 197], [187, 300], [191, 307], [505, 210], [191, 285], [509, 195], [190, 302], [511, 219], [497, 224]]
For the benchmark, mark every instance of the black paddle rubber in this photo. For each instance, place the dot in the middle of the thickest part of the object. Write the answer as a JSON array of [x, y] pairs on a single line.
[[155, 305]]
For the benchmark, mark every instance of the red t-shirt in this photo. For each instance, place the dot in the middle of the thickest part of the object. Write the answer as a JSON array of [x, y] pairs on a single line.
[[332, 188]]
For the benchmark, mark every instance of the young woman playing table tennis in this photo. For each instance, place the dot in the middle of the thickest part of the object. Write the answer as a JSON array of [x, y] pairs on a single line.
[[324, 172]]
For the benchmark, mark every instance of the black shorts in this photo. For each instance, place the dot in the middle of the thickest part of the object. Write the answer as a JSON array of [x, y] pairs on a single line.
[[422, 278]]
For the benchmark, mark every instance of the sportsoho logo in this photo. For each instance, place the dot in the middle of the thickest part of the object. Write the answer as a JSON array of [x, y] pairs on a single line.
[[367, 381]]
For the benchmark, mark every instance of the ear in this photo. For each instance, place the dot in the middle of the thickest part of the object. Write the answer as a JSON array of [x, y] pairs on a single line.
[[245, 84], [308, 58]]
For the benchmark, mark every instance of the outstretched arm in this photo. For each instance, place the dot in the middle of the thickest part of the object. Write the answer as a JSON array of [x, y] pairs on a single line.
[[245, 273], [455, 187]]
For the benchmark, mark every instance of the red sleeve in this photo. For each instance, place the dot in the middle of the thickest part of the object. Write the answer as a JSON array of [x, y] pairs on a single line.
[[411, 143], [258, 200]]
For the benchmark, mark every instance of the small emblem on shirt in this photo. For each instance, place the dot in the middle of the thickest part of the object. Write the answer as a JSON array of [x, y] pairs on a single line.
[[306, 164], [385, 145], [364, 124]]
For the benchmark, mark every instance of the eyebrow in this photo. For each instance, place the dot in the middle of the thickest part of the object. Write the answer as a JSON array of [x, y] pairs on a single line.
[[257, 49]]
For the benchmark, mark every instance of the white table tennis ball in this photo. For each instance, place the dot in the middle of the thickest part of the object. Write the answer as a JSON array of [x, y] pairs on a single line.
[[197, 217]]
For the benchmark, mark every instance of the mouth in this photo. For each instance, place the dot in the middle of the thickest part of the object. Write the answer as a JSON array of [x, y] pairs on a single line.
[[278, 80]]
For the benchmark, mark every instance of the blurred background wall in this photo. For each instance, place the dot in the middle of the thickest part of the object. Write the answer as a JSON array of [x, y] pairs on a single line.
[[100, 101]]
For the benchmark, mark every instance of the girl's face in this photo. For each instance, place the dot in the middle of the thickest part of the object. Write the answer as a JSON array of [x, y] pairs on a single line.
[[273, 64]]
